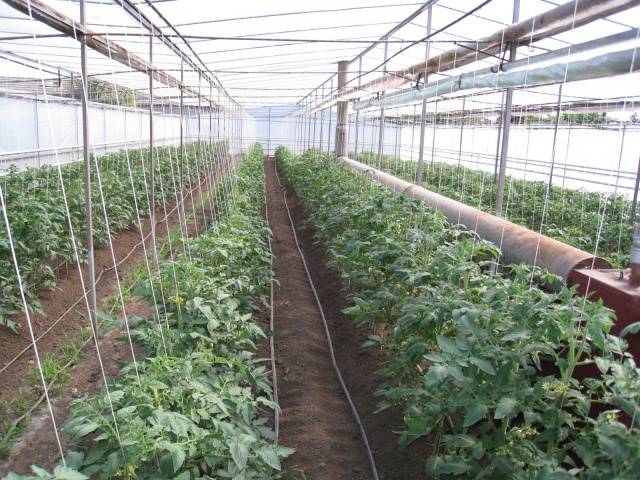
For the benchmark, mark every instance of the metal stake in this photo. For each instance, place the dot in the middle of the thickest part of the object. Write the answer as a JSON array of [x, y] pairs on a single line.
[[423, 118], [506, 124], [464, 99], [152, 157], [87, 175], [634, 202], [355, 149], [210, 120], [269, 131], [498, 141], [315, 123], [555, 136], [322, 122], [381, 133], [342, 108], [182, 162]]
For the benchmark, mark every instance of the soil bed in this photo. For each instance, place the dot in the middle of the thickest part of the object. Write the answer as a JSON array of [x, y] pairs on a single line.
[[68, 290], [37, 445]]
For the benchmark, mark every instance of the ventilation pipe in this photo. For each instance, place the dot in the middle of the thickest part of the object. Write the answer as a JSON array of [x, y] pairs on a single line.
[[517, 244]]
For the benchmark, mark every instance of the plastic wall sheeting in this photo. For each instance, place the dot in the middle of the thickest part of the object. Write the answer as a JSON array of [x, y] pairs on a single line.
[[274, 126], [34, 132]]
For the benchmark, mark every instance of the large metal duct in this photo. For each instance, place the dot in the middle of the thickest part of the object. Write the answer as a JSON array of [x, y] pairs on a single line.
[[517, 244]]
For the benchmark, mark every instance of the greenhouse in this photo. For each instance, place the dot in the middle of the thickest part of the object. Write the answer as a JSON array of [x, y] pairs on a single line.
[[340, 240]]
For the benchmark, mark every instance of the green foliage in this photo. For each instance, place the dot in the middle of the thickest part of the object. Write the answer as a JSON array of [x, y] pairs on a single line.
[[193, 413], [570, 215], [41, 229], [481, 359]]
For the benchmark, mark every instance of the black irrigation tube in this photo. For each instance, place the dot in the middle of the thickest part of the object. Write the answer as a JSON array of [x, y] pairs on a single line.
[[354, 410]]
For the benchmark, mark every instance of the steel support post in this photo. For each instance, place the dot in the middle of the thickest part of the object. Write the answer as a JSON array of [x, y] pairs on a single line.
[[495, 167], [506, 122], [355, 148], [423, 116], [296, 143], [634, 202], [199, 122], [381, 132], [303, 131], [555, 136], [182, 163], [309, 128], [37, 128], [423, 128], [322, 123], [210, 120], [315, 123], [152, 157], [91, 272], [330, 122], [464, 101], [342, 108], [433, 139], [269, 131], [218, 116]]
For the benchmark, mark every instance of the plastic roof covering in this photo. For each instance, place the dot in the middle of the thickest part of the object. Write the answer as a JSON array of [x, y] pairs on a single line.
[[281, 72]]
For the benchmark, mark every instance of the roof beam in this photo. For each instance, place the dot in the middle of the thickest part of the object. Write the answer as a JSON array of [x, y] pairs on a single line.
[[563, 18], [38, 10]]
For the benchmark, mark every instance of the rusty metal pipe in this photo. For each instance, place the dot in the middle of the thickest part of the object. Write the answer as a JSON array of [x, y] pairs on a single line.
[[517, 243]]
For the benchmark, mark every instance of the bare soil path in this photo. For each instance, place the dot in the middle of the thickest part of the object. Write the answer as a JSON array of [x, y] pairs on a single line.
[[316, 418]]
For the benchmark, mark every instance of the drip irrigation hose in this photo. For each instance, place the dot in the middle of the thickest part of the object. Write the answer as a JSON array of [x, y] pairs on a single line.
[[354, 410], [272, 347]]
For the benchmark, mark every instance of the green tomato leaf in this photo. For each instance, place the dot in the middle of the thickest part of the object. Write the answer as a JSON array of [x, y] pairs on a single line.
[[270, 457], [483, 365], [86, 429], [447, 345], [632, 328], [474, 414], [65, 473], [239, 452], [505, 407], [435, 375]]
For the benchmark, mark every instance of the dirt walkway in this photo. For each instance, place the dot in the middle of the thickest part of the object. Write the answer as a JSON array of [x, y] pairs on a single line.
[[316, 418]]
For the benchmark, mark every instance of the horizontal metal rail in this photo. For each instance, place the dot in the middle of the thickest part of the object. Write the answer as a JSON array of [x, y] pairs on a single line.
[[605, 65], [552, 22]]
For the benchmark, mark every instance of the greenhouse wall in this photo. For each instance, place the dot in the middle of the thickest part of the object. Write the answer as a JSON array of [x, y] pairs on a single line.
[[36, 132]]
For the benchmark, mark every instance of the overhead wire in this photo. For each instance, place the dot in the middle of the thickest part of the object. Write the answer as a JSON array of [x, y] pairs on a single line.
[[301, 12]]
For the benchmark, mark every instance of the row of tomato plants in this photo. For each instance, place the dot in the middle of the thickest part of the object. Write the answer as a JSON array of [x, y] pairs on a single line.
[[571, 215], [35, 205], [482, 362], [191, 408]]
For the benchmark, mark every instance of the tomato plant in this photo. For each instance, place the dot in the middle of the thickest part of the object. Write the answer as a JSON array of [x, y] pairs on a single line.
[[196, 411], [35, 204], [481, 359]]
